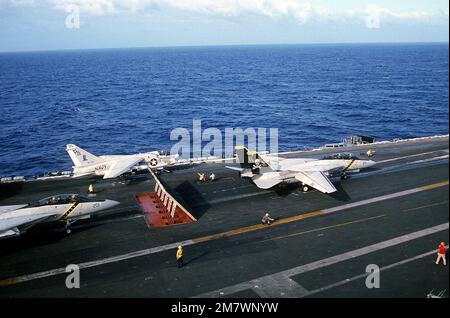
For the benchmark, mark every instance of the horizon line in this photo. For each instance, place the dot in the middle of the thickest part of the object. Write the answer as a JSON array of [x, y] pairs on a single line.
[[219, 45]]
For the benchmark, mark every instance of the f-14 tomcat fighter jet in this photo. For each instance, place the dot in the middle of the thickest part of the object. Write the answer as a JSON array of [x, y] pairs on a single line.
[[16, 219], [267, 171], [115, 165]]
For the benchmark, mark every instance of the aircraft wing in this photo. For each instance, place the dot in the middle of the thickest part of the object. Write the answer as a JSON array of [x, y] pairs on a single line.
[[266, 183], [317, 180], [121, 166], [9, 208], [6, 225]]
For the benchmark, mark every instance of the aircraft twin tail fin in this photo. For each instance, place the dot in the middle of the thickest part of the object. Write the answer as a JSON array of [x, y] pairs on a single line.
[[245, 157], [81, 157], [253, 159]]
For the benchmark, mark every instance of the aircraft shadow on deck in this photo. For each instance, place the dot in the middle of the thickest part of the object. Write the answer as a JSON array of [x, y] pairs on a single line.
[[193, 200], [340, 194], [126, 181], [285, 190], [40, 235]]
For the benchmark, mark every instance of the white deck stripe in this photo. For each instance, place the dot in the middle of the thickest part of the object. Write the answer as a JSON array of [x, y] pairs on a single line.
[[411, 156], [327, 261], [279, 286], [372, 200], [104, 261], [428, 160], [348, 280]]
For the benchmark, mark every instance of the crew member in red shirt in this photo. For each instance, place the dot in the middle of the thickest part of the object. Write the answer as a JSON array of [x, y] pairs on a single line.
[[441, 253]]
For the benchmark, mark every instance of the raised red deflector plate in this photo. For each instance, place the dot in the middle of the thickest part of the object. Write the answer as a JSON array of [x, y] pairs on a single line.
[[161, 208]]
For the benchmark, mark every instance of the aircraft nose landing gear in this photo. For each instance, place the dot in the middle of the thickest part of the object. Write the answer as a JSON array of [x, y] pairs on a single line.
[[345, 176]]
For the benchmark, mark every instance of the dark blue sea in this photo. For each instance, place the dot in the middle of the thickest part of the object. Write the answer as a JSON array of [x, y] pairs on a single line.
[[123, 101]]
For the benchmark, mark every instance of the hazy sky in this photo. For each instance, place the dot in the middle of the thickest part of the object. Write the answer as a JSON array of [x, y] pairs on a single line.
[[53, 24]]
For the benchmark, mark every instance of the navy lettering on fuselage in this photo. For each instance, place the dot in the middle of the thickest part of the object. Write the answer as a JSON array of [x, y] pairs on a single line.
[[101, 167]]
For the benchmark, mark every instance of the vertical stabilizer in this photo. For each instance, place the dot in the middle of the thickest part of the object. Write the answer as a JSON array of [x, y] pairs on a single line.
[[250, 160], [81, 157], [245, 160]]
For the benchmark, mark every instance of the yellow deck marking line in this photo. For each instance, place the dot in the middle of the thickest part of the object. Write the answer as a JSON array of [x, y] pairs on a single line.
[[425, 206], [434, 185], [157, 249], [256, 227]]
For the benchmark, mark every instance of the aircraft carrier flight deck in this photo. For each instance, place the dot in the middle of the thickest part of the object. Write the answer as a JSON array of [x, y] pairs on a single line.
[[393, 216]]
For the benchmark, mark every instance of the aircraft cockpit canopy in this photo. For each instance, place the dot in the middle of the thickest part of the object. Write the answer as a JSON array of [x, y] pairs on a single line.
[[344, 156], [164, 153], [62, 199]]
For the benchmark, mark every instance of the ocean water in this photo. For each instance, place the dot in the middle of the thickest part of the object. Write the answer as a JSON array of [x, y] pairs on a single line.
[[128, 100]]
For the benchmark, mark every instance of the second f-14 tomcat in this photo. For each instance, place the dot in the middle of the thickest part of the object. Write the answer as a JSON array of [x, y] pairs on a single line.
[[267, 171], [68, 208]]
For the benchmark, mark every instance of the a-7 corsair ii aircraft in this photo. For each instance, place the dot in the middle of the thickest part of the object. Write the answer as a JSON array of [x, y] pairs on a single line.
[[16, 219], [115, 165], [267, 171]]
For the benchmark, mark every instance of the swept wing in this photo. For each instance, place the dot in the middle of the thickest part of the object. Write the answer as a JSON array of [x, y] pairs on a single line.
[[25, 221], [121, 166]]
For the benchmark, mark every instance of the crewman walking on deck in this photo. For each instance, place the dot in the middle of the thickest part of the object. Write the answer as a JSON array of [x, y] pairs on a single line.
[[180, 256], [441, 253], [91, 188], [212, 177]]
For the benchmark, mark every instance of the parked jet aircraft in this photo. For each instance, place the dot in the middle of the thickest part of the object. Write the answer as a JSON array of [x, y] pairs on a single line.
[[267, 171], [16, 219], [115, 165]]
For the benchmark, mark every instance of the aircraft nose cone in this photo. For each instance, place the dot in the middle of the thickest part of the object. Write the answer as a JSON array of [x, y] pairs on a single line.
[[110, 203], [370, 163]]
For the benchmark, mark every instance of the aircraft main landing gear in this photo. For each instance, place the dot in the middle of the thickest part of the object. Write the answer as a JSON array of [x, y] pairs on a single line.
[[68, 224], [305, 188]]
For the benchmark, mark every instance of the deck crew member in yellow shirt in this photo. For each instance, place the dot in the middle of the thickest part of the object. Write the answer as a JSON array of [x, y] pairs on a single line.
[[180, 256]]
